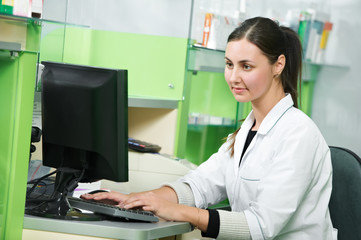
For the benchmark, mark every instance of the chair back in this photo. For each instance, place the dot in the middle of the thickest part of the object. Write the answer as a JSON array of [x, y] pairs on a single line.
[[345, 202]]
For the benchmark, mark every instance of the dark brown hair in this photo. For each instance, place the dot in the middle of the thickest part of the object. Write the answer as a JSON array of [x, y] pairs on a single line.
[[273, 40]]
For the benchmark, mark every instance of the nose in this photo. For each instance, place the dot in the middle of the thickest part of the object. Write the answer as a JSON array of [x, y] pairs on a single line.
[[234, 75]]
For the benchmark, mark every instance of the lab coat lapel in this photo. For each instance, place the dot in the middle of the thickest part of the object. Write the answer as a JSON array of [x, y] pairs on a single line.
[[275, 114], [241, 139], [267, 124]]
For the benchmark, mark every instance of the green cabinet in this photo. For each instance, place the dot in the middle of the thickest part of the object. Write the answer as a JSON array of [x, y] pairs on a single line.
[[17, 81], [155, 64]]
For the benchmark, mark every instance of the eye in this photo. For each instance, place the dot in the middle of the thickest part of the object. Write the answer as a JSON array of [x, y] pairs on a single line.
[[229, 65], [247, 67]]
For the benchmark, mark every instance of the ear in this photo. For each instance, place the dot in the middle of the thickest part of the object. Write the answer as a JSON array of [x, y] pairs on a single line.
[[279, 65]]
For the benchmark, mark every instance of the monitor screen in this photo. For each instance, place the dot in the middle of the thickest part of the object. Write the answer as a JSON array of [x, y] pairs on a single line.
[[85, 120], [84, 130]]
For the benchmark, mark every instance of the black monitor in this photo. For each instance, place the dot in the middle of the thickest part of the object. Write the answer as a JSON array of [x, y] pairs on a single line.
[[84, 127]]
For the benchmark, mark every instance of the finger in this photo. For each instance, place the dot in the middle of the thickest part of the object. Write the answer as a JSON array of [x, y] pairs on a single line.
[[94, 195], [135, 197], [119, 197], [113, 197], [130, 200], [87, 196], [134, 204], [148, 208], [109, 195]]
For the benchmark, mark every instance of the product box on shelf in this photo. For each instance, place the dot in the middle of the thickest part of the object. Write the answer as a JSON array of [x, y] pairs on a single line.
[[314, 29], [36, 8], [216, 30], [22, 8], [6, 6]]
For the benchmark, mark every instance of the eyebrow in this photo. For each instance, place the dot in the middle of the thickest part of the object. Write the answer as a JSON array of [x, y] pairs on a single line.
[[241, 61]]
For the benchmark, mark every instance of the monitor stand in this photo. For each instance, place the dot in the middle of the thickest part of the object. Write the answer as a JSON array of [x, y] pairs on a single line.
[[56, 205]]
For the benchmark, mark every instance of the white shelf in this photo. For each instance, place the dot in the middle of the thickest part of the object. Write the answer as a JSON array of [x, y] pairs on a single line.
[[152, 102], [211, 60], [141, 102]]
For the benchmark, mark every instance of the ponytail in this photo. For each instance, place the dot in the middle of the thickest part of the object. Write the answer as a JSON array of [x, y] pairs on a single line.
[[292, 73]]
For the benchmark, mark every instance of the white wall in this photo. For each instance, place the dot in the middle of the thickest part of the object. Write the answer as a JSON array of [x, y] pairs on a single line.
[[337, 99], [155, 17]]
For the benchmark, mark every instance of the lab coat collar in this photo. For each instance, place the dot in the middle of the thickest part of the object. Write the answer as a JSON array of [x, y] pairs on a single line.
[[275, 114], [267, 124]]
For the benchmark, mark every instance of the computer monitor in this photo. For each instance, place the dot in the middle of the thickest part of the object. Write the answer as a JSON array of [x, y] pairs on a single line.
[[84, 127]]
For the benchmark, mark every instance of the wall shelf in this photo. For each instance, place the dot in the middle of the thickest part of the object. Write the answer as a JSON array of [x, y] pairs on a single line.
[[10, 46], [211, 60], [140, 102], [39, 21], [144, 102], [205, 59]]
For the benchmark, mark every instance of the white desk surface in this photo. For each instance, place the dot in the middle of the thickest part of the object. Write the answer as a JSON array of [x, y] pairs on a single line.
[[108, 229]]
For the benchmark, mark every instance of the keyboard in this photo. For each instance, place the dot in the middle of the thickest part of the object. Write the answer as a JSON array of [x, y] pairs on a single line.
[[142, 146], [112, 211]]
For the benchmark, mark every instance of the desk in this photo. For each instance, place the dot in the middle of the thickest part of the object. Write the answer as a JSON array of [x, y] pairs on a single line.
[[108, 229]]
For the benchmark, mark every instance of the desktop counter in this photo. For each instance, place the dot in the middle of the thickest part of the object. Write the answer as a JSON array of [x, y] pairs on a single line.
[[108, 229], [146, 171]]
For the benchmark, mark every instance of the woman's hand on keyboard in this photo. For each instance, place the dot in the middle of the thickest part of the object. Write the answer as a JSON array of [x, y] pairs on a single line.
[[163, 202], [150, 201], [116, 197]]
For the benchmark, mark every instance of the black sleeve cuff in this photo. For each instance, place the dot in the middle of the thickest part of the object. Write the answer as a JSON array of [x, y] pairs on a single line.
[[213, 224]]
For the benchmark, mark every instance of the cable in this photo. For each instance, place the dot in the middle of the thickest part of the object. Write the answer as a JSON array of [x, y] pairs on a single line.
[[41, 178], [36, 182]]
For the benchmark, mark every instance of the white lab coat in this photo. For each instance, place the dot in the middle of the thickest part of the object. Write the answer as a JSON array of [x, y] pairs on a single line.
[[284, 182]]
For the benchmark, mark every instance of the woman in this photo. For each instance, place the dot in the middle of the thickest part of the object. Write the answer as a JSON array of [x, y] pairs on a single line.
[[275, 170]]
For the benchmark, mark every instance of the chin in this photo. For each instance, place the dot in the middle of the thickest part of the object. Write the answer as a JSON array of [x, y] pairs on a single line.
[[242, 99]]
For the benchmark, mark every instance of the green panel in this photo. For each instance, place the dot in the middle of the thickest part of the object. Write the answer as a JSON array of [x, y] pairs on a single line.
[[6, 138], [51, 47], [307, 97], [78, 46], [182, 120], [17, 82], [246, 108], [204, 140], [61, 39], [33, 36], [6, 9], [153, 62], [210, 94], [309, 76]]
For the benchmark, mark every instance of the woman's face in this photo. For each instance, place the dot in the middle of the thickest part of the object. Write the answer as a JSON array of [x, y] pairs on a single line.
[[248, 72]]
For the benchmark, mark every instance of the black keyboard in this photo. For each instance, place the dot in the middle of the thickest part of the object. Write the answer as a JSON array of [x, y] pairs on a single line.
[[112, 211], [142, 146]]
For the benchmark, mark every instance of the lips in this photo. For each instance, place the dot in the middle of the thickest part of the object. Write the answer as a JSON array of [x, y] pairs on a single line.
[[238, 90]]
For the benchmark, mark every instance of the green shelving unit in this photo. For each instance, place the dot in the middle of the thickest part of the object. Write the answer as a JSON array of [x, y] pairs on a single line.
[[19, 53], [17, 82], [212, 115]]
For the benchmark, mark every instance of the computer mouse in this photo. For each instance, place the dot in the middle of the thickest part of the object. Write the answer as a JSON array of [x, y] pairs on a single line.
[[97, 191]]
